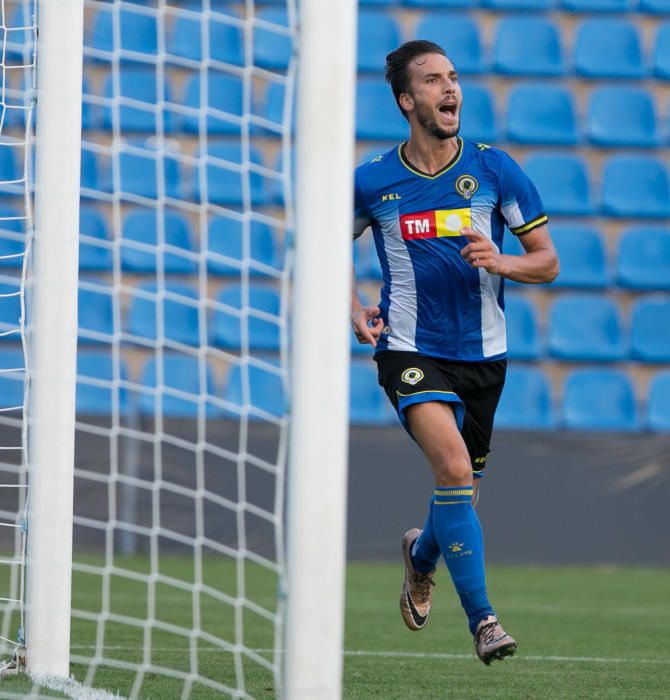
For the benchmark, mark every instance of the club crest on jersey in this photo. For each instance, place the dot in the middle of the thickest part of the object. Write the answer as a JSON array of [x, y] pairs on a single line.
[[412, 376], [466, 186]]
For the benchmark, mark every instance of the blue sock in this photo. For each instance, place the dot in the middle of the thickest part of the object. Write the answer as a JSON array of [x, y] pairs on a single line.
[[457, 529], [426, 550]]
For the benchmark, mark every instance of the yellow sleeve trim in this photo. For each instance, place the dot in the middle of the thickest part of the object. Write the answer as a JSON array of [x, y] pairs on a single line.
[[530, 226]]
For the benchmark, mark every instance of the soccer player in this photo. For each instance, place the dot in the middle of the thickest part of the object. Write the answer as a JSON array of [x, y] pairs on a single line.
[[438, 206]]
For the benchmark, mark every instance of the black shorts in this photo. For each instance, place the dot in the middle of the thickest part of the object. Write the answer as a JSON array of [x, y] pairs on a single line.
[[472, 388]]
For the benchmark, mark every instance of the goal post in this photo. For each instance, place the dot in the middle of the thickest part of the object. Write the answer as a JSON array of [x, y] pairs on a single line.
[[320, 352], [53, 337]]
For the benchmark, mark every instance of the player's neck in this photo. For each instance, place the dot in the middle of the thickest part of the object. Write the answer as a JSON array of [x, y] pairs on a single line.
[[429, 154]]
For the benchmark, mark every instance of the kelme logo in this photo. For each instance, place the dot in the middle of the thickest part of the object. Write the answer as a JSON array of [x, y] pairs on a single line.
[[466, 186], [412, 376]]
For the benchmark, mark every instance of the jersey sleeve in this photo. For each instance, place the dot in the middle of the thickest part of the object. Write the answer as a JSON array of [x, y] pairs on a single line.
[[520, 203], [362, 218]]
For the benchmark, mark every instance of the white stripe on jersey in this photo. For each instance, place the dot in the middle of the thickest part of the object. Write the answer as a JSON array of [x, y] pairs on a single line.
[[512, 213], [402, 313], [494, 338]]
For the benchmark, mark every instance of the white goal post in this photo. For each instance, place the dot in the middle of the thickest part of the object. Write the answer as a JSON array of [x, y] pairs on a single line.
[[53, 372]]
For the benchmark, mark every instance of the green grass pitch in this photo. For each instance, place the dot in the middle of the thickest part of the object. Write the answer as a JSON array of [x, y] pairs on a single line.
[[582, 633]]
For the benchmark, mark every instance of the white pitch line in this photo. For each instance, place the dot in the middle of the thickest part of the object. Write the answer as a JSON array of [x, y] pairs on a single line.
[[418, 655], [73, 689], [518, 658]]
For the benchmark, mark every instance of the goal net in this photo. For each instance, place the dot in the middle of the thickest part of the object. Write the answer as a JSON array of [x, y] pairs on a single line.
[[182, 370]]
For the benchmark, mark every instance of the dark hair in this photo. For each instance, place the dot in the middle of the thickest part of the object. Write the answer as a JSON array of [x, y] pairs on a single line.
[[396, 72]]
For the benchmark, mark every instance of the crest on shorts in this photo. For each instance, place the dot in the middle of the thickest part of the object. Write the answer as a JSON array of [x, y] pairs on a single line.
[[412, 376], [466, 186]]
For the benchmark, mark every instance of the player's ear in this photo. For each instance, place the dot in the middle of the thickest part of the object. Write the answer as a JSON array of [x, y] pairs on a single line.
[[406, 101]]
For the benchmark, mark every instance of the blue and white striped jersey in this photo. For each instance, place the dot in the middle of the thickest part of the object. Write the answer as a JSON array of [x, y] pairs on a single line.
[[432, 301]]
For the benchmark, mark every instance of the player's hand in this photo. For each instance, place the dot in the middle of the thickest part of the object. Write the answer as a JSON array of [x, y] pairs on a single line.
[[367, 325], [480, 251]]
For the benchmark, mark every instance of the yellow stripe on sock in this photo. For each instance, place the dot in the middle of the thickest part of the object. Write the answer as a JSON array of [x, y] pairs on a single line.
[[449, 492]]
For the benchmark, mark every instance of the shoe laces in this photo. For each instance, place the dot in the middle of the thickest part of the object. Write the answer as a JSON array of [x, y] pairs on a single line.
[[423, 583], [488, 632]]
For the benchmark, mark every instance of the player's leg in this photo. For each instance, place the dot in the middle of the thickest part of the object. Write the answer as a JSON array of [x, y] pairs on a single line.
[[407, 377], [480, 386], [455, 521]]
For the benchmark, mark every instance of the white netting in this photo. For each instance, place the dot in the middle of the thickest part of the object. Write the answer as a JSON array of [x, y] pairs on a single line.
[[181, 410]]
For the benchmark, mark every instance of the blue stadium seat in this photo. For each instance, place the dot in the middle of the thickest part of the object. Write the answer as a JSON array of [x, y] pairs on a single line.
[[95, 244], [658, 404], [377, 115], [366, 260], [563, 182], [635, 186], [368, 404], [541, 114], [508, 5], [265, 397], [441, 4], [598, 5], [650, 329], [177, 390], [460, 37], [180, 315], [8, 168], [526, 402], [226, 247], [138, 40], [523, 338], [225, 95], [608, 47], [225, 176], [18, 45], [95, 384], [258, 321], [661, 54], [271, 108], [90, 172], [528, 45], [661, 7], [12, 382], [12, 237], [378, 35], [137, 84], [95, 316], [586, 327], [272, 47], [10, 312], [621, 116], [140, 239], [478, 119], [599, 399], [139, 166], [643, 258], [226, 40], [583, 256]]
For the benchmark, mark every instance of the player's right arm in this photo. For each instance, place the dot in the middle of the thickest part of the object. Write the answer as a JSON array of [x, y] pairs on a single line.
[[364, 319]]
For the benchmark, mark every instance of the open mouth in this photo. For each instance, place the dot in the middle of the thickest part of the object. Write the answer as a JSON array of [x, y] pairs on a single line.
[[449, 108]]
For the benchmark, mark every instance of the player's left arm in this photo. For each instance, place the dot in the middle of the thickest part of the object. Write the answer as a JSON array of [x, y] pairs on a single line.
[[539, 264]]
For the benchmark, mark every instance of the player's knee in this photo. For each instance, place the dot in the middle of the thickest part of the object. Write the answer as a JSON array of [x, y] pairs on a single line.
[[453, 472]]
